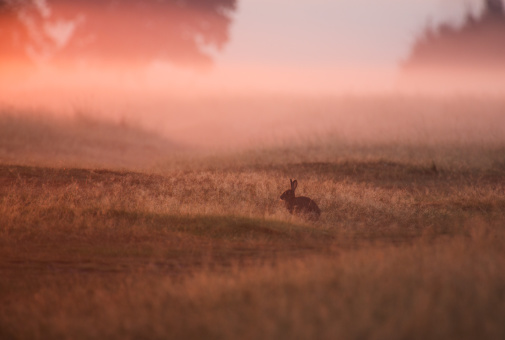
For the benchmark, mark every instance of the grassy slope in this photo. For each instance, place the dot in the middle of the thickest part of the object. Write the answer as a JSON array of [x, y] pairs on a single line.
[[38, 139]]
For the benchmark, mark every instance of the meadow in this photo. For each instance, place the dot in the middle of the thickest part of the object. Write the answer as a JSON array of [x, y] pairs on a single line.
[[119, 229]]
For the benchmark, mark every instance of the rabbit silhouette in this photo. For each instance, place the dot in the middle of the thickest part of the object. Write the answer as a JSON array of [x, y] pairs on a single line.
[[302, 206]]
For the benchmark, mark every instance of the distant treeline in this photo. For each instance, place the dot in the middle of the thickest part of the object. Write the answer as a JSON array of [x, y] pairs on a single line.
[[478, 46]]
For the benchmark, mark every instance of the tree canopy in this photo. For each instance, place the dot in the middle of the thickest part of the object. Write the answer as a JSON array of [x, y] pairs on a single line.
[[116, 31]]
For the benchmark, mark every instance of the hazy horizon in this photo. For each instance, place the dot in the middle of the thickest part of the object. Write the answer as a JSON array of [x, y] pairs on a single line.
[[309, 48]]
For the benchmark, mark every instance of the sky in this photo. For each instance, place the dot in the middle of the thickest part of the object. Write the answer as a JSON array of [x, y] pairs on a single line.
[[286, 46], [326, 32], [318, 46]]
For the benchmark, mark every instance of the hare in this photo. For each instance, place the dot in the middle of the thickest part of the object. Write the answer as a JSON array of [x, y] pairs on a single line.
[[300, 205]]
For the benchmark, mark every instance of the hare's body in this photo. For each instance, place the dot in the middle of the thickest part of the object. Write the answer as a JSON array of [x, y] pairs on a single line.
[[300, 205]]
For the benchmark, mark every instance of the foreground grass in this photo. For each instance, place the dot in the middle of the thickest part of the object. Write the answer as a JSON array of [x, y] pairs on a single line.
[[442, 290], [401, 251]]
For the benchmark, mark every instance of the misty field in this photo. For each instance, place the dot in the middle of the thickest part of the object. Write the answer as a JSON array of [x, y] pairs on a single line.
[[120, 229]]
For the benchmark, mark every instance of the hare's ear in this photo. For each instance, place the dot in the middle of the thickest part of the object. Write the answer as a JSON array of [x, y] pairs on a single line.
[[294, 184], [291, 183]]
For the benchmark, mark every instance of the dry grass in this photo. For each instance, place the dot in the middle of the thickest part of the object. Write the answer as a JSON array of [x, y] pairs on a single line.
[[198, 245]]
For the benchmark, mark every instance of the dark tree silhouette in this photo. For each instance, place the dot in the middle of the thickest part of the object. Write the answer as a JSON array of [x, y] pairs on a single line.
[[494, 7], [478, 46], [116, 31]]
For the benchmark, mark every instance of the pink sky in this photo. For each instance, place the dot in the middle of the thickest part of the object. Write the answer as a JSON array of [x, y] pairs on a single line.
[[308, 45]]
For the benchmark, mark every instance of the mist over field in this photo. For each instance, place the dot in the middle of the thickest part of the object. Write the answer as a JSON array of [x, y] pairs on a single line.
[[177, 86], [413, 129], [148, 152]]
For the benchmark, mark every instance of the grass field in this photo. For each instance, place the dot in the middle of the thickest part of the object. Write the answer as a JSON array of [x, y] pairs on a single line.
[[111, 231]]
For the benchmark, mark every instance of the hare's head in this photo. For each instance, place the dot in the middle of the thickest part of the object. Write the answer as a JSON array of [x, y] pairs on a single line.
[[290, 194]]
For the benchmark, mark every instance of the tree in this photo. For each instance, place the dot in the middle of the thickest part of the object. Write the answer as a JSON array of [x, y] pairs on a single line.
[[477, 46], [113, 31], [494, 7]]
